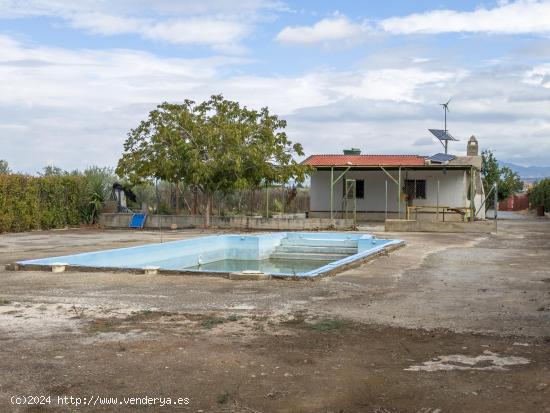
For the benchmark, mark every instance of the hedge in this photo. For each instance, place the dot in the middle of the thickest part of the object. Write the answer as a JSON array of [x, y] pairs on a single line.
[[29, 203], [539, 194]]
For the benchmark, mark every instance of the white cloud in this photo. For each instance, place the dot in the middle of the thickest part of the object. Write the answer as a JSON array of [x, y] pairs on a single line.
[[74, 107], [221, 24], [163, 8], [203, 30], [337, 28], [522, 16], [395, 84], [519, 17], [60, 77], [206, 31], [105, 24], [57, 104], [539, 76]]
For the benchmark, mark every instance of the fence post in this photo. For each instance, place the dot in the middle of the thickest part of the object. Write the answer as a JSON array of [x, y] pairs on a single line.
[[267, 201], [399, 194], [496, 206]]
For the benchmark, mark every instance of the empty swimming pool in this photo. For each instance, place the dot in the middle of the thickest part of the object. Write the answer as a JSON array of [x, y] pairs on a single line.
[[300, 254]]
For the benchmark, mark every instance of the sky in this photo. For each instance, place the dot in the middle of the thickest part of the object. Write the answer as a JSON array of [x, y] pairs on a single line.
[[76, 76]]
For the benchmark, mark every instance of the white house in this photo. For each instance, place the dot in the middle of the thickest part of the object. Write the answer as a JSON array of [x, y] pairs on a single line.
[[376, 187]]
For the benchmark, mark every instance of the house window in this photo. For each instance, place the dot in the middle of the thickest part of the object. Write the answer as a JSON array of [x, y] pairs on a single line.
[[415, 188], [359, 189]]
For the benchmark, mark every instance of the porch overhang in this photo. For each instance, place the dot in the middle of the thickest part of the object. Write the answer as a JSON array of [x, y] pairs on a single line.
[[393, 167]]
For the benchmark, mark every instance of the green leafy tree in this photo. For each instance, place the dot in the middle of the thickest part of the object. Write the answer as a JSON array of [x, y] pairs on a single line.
[[539, 194], [214, 146], [508, 181], [4, 167]]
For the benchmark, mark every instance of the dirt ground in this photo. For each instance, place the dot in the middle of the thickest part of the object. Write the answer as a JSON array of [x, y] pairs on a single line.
[[449, 323]]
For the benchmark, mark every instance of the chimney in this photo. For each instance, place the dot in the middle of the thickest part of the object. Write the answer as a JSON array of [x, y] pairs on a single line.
[[473, 147]]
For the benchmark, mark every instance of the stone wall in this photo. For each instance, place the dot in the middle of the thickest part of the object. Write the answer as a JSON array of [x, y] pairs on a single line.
[[403, 225], [243, 223]]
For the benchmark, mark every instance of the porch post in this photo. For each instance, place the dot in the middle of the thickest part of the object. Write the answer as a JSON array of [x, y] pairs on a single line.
[[437, 206], [386, 210], [472, 194], [331, 191], [399, 193]]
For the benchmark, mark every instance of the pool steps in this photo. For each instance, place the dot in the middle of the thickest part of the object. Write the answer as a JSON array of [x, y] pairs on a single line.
[[320, 242], [321, 249], [314, 249]]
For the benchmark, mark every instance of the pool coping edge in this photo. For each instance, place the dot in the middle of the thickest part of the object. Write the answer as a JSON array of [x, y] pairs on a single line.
[[385, 250]]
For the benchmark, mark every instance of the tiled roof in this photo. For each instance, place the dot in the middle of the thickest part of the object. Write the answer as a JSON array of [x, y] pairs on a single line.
[[365, 160]]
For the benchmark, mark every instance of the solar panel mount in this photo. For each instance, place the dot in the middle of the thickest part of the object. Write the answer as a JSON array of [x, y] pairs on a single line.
[[442, 135]]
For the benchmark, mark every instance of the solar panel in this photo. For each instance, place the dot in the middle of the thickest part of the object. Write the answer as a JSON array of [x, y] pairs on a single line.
[[442, 135], [441, 158]]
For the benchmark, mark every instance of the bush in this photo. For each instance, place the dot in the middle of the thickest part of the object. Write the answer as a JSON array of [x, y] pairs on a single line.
[[539, 194], [98, 190], [30, 203]]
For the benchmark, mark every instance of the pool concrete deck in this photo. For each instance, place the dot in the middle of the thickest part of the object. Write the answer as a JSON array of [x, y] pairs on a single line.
[[275, 346]]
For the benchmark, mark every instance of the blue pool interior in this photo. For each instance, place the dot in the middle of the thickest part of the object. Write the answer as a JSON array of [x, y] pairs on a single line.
[[284, 253]]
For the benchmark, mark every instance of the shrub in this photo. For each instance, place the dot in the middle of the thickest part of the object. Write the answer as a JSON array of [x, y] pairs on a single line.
[[98, 190], [29, 203]]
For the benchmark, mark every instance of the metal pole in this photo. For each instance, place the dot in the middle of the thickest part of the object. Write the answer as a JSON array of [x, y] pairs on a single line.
[[160, 227], [399, 194], [437, 206], [485, 200], [266, 201], [496, 206], [283, 197], [386, 210], [472, 193], [355, 203], [331, 192]]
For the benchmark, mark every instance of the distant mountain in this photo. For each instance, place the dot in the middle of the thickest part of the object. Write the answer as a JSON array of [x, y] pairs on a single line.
[[529, 172]]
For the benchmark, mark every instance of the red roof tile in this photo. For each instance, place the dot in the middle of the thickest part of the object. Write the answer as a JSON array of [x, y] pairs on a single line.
[[364, 160]]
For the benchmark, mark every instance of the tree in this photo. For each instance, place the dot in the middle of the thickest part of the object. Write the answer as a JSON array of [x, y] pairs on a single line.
[[508, 181], [52, 170], [4, 167], [213, 146], [539, 194]]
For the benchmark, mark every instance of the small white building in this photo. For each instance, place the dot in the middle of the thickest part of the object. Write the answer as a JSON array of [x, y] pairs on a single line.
[[375, 187]]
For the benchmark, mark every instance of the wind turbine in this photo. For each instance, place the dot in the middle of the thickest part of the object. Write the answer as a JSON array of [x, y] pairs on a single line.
[[445, 109], [443, 135]]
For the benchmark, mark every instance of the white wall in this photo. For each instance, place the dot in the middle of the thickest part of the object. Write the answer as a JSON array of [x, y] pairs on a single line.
[[453, 187]]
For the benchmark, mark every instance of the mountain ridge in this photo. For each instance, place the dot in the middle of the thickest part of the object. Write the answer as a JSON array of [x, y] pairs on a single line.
[[528, 172]]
